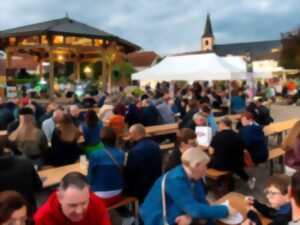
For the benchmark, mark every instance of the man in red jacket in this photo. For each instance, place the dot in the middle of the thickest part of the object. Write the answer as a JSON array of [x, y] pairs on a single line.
[[73, 203]]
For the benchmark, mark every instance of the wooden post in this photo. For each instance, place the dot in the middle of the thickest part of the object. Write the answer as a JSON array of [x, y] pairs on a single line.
[[41, 69], [104, 73], [51, 73], [8, 59], [77, 67], [109, 77]]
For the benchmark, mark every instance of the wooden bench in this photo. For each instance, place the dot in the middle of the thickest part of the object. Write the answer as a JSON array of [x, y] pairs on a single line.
[[276, 153], [161, 129], [232, 117], [128, 201], [279, 127], [221, 181], [167, 147], [223, 178]]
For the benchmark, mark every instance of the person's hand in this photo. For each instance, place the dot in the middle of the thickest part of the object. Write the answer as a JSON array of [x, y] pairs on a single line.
[[249, 200], [248, 222], [183, 220]]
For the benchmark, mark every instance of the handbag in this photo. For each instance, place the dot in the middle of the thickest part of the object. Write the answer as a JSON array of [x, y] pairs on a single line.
[[248, 159], [163, 198]]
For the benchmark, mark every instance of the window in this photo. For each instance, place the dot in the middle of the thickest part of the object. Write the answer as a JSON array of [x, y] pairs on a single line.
[[44, 40], [58, 39], [12, 41], [98, 42], [79, 41]]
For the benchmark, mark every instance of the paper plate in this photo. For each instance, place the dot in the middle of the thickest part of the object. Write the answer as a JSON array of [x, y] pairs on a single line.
[[234, 219]]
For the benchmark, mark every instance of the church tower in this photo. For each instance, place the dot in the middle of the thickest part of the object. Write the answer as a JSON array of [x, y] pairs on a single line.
[[208, 39]]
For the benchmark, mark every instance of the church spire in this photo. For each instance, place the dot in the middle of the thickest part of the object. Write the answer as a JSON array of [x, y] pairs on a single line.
[[208, 32]]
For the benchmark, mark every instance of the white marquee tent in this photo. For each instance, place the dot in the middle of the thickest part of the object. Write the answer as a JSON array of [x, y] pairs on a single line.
[[192, 67]]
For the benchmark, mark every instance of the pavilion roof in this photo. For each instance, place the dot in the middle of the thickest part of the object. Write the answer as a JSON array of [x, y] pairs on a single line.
[[66, 26]]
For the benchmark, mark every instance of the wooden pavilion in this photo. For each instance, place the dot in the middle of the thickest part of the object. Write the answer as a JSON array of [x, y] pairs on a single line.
[[68, 40]]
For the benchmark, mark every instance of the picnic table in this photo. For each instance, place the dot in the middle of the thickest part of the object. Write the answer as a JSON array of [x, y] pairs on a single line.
[[237, 201], [279, 127], [53, 176]]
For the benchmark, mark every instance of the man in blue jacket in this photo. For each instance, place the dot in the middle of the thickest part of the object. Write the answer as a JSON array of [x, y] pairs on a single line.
[[144, 164], [182, 191]]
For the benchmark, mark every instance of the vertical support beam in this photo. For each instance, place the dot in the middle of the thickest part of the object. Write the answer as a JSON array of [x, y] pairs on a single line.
[[104, 74], [51, 73], [8, 60], [76, 66], [109, 77], [41, 69]]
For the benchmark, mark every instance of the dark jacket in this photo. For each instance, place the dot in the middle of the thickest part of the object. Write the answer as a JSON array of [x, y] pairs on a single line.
[[63, 152], [150, 116], [173, 160], [18, 174], [144, 166], [187, 120], [255, 142], [280, 216], [228, 151]]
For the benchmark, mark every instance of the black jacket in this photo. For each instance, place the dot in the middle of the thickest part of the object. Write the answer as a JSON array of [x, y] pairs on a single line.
[[229, 151], [277, 217], [18, 174]]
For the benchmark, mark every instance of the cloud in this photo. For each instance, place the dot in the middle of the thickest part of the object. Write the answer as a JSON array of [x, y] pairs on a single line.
[[164, 26]]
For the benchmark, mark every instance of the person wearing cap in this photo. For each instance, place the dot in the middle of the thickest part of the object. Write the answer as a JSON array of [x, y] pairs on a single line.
[[253, 138], [183, 192]]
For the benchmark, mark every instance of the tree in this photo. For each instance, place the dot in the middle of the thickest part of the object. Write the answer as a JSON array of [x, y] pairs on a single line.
[[290, 54]]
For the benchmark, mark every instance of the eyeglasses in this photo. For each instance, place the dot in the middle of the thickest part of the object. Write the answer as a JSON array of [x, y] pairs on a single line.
[[272, 193]]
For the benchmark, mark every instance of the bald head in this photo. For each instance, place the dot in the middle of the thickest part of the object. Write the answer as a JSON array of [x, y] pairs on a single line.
[[137, 132]]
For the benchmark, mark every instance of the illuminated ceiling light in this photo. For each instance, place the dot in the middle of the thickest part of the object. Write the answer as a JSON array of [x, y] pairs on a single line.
[[60, 58], [87, 70]]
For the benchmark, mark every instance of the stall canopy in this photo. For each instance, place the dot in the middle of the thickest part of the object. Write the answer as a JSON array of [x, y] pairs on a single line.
[[207, 66], [238, 62]]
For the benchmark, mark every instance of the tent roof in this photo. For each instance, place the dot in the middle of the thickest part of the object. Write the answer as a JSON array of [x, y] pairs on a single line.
[[192, 67]]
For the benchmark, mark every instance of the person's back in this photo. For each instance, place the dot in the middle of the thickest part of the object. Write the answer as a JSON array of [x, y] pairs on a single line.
[[144, 166], [238, 104], [19, 174], [92, 134], [6, 117], [105, 177], [150, 116], [166, 113], [228, 151], [63, 152], [255, 142]]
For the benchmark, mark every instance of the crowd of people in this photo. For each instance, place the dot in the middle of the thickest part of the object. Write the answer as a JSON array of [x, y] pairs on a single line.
[[123, 161]]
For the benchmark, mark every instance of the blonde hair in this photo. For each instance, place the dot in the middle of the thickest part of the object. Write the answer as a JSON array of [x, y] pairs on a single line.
[[290, 141], [26, 131], [192, 156]]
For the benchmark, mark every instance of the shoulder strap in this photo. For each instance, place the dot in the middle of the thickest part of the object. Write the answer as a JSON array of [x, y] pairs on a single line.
[[163, 197], [113, 160]]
